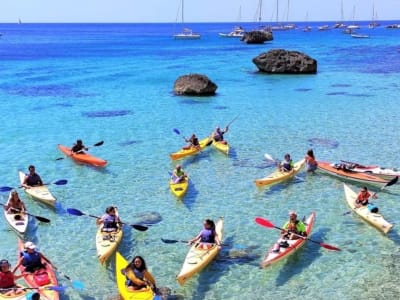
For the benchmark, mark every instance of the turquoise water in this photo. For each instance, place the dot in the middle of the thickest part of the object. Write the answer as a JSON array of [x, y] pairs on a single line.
[[57, 79]]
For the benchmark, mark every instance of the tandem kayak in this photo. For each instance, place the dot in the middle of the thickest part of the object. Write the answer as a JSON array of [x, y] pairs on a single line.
[[337, 170], [375, 219], [18, 221], [197, 259], [293, 245], [107, 243], [192, 150], [41, 278], [385, 173], [40, 193], [143, 294], [279, 176], [179, 189], [84, 158]]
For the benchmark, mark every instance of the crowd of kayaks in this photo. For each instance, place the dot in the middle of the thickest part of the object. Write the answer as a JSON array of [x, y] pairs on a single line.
[[196, 259]]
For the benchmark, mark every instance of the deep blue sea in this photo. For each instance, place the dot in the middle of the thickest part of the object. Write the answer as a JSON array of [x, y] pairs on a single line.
[[114, 83]]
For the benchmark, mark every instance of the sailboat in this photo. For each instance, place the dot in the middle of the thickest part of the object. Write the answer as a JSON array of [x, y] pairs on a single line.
[[187, 33], [340, 24], [373, 23], [237, 31]]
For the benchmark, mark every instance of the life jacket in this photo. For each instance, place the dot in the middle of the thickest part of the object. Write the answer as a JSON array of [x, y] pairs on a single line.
[[138, 274], [362, 198], [293, 226], [207, 236], [33, 179], [31, 260], [218, 136], [109, 221], [6, 280], [287, 165]]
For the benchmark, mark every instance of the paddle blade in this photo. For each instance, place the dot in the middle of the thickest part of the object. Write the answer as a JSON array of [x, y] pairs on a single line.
[[77, 285], [330, 247], [61, 182], [169, 241], [177, 131], [209, 143], [42, 219], [268, 157], [98, 144], [5, 189], [139, 227], [58, 288], [60, 158], [393, 181], [264, 222], [75, 212]]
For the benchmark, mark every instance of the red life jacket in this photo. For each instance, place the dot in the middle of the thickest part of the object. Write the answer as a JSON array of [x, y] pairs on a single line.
[[6, 280]]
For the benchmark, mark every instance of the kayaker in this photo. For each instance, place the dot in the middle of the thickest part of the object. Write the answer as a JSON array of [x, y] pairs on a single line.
[[137, 275], [287, 164], [363, 197], [207, 237], [15, 204], [31, 259], [310, 161], [109, 220], [218, 134], [293, 228], [178, 175], [79, 147], [32, 178], [8, 287], [193, 142]]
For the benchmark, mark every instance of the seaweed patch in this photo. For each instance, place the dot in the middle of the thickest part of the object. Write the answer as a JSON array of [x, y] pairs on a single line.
[[106, 113], [323, 142]]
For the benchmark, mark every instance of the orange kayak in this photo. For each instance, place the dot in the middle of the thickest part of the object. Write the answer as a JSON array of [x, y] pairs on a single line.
[[83, 157], [338, 171]]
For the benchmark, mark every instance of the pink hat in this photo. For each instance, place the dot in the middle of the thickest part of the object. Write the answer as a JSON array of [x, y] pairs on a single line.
[[29, 245], [292, 212]]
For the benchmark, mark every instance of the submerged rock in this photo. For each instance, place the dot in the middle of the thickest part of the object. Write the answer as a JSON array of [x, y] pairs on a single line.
[[257, 37], [194, 85], [280, 61]]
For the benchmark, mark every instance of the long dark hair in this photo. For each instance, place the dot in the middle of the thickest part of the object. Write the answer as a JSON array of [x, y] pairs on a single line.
[[132, 263]]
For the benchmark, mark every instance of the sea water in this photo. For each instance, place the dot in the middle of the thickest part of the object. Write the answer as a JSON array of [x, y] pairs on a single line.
[[114, 82]]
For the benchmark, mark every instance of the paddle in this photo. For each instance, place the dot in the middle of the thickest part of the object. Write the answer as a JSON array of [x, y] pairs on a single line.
[[269, 157], [234, 119], [58, 182], [95, 145], [167, 241], [268, 224], [75, 283], [176, 130], [58, 288], [41, 219], [77, 212]]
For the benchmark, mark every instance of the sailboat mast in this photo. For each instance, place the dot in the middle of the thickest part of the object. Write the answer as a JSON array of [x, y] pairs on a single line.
[[277, 11], [259, 16], [183, 3]]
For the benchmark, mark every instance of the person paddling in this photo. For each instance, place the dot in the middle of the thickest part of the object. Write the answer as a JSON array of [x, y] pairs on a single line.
[[79, 147], [362, 199], [207, 237], [8, 286], [218, 134], [32, 178], [31, 259]]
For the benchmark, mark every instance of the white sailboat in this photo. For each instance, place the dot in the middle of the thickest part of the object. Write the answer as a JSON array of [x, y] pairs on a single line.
[[187, 33], [237, 31]]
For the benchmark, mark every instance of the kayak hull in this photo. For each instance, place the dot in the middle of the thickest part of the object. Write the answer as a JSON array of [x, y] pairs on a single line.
[[29, 278], [144, 294], [279, 176], [272, 257], [39, 193], [197, 259], [22, 296], [385, 173], [221, 146], [375, 219], [83, 158], [179, 189], [107, 243], [17, 221], [191, 151]]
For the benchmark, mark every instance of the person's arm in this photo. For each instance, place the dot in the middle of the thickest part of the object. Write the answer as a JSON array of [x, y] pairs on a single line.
[[149, 277], [18, 264], [197, 237], [25, 183], [99, 221], [132, 277], [40, 180], [47, 260], [217, 239]]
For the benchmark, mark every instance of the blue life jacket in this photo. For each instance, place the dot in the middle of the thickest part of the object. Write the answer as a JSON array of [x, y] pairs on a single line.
[[33, 180], [207, 236], [109, 221], [31, 260], [138, 274]]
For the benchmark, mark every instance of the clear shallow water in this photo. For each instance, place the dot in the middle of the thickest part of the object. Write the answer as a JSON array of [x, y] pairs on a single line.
[[114, 83]]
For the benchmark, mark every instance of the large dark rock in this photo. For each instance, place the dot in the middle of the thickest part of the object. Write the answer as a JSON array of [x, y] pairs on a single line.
[[194, 85], [280, 61], [257, 37]]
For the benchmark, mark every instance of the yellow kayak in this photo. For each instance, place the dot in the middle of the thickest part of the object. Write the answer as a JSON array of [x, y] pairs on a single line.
[[375, 219], [40, 193], [223, 147], [191, 151], [179, 189], [144, 294], [197, 259], [279, 176], [107, 243]]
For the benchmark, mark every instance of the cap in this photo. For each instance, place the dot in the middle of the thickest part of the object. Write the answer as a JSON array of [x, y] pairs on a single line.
[[29, 245], [292, 212]]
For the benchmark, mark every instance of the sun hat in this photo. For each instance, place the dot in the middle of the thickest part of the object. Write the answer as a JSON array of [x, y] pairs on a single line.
[[292, 212], [29, 245]]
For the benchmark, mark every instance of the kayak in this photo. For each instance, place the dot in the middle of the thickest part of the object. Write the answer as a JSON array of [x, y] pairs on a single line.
[[279, 176], [337, 171], [144, 294], [191, 151], [179, 189], [220, 145], [197, 259], [21, 296], [385, 173], [293, 245], [84, 158], [17, 220], [42, 278], [40, 193], [107, 243], [375, 219]]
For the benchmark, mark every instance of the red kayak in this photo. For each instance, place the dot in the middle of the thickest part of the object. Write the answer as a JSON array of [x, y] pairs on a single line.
[[84, 158]]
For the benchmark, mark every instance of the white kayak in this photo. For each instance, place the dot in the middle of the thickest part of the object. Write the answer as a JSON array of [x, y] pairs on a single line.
[[40, 193], [18, 221]]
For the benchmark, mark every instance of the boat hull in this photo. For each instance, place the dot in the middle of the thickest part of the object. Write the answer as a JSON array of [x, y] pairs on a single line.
[[279, 176], [83, 158], [375, 219], [197, 259], [191, 151], [107, 243], [17, 221], [223, 147], [17, 297], [144, 294], [39, 193], [179, 189]]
